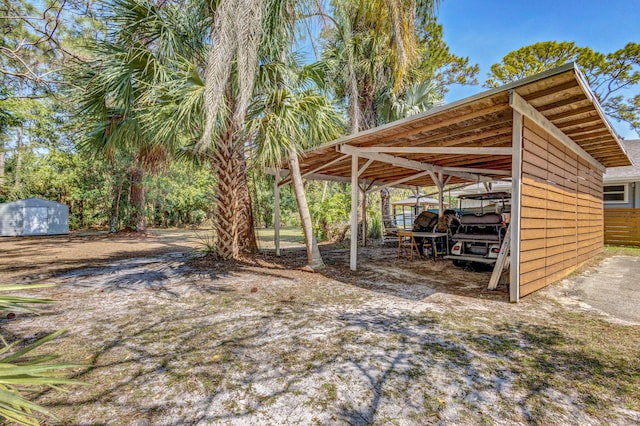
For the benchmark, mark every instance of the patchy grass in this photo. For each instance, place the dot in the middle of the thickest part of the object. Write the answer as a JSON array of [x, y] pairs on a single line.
[[566, 358], [621, 251], [288, 236]]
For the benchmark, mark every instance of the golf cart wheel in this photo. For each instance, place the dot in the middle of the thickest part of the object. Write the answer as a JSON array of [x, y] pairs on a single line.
[[459, 263]]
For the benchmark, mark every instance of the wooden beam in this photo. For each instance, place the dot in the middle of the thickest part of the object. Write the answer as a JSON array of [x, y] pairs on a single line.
[[330, 163], [401, 181], [438, 150], [276, 212], [523, 107], [479, 171], [564, 102], [364, 167], [491, 137], [317, 169], [450, 137], [516, 170], [498, 268], [570, 113], [554, 96], [567, 125], [552, 90], [443, 123], [440, 184], [406, 163], [587, 89]]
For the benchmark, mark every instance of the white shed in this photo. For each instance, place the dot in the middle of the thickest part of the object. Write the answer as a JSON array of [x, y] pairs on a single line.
[[33, 216]]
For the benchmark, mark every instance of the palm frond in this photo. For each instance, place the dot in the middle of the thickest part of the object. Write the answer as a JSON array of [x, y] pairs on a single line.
[[19, 369]]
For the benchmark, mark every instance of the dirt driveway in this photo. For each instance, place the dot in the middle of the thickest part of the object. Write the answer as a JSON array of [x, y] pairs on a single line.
[[167, 338], [38, 257]]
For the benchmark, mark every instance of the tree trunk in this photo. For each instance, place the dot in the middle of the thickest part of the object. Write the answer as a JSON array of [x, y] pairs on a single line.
[[2, 157], [18, 169], [226, 168], [247, 243], [19, 143], [115, 207], [138, 220], [314, 258], [385, 204]]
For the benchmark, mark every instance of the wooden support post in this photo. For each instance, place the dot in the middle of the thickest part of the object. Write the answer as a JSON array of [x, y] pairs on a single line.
[[364, 217], [440, 184], [276, 212], [516, 173], [498, 269], [353, 257]]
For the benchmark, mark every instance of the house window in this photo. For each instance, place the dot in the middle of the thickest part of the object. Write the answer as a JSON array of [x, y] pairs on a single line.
[[616, 194]]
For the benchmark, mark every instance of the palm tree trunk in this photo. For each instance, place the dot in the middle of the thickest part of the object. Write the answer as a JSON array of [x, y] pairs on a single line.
[[314, 258], [246, 230], [385, 198], [226, 166], [138, 220]]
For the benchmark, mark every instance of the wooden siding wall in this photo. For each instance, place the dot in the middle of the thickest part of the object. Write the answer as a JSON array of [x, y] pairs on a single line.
[[561, 216], [622, 227]]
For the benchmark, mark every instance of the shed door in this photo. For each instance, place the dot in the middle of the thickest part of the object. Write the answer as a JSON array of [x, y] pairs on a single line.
[[35, 221]]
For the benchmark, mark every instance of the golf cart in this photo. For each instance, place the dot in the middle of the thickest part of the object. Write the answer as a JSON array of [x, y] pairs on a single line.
[[479, 237]]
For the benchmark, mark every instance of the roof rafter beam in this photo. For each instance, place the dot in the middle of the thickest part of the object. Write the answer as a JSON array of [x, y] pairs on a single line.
[[399, 181], [476, 150], [406, 163], [316, 170], [525, 108], [443, 123], [364, 167]]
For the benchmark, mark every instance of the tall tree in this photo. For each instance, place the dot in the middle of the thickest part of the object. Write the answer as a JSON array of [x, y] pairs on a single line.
[[245, 33], [382, 54], [613, 77], [288, 115], [173, 107], [117, 87]]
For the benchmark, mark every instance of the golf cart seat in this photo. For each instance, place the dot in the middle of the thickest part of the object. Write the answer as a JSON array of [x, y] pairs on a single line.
[[486, 227]]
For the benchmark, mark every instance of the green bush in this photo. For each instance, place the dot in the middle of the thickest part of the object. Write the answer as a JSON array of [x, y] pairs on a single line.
[[375, 226]]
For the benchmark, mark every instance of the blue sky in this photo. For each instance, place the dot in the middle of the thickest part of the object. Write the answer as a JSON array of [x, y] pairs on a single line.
[[486, 30]]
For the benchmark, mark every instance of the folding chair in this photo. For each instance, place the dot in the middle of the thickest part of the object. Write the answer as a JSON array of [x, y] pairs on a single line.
[[407, 245]]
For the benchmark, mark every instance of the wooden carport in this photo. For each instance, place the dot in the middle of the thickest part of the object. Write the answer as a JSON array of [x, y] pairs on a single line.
[[546, 132]]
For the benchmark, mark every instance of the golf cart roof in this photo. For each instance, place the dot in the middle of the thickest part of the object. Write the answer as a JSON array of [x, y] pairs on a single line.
[[486, 196]]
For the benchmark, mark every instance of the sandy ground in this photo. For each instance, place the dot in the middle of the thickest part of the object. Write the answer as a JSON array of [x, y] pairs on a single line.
[[169, 337], [32, 258]]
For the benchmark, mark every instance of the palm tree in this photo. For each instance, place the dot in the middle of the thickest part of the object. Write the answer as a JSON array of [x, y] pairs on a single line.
[[374, 48], [251, 33], [386, 57], [22, 371], [115, 86], [155, 81], [171, 105], [288, 115]]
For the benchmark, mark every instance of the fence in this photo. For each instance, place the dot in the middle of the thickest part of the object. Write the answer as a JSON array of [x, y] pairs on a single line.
[[622, 227]]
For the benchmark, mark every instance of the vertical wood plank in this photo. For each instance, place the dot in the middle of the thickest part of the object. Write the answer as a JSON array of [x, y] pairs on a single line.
[[276, 212], [353, 257], [516, 173]]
